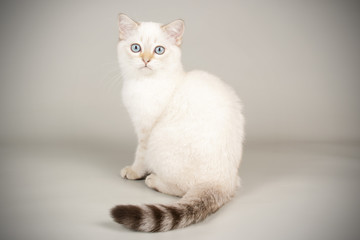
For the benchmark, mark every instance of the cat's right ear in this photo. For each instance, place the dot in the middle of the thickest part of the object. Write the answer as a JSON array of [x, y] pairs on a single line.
[[126, 26]]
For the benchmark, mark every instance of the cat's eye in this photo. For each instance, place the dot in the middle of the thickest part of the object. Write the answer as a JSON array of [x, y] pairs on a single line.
[[159, 50], [135, 48]]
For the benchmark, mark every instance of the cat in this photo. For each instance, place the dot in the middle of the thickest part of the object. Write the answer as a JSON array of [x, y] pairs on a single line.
[[189, 125]]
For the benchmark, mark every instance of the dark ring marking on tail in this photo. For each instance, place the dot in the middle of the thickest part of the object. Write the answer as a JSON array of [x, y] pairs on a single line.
[[176, 215], [158, 217], [129, 215]]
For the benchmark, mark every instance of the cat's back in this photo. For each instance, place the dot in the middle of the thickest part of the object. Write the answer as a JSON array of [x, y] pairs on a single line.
[[204, 90]]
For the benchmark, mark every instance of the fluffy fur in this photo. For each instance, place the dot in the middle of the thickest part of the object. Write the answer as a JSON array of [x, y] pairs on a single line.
[[189, 127]]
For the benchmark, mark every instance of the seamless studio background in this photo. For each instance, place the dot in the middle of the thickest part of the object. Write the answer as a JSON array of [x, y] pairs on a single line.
[[295, 65]]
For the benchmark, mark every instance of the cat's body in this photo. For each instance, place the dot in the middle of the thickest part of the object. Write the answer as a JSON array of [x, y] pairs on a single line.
[[189, 127]]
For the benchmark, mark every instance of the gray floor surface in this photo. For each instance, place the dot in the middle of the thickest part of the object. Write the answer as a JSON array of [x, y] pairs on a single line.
[[289, 191]]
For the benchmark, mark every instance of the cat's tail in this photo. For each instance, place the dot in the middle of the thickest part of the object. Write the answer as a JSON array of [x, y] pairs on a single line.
[[198, 203]]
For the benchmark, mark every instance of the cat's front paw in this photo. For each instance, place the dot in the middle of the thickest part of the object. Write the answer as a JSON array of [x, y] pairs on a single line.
[[150, 181], [129, 173]]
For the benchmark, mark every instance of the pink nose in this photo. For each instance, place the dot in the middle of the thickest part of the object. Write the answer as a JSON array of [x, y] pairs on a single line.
[[146, 60]]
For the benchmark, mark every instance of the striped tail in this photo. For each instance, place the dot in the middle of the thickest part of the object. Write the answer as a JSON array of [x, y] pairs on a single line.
[[194, 207]]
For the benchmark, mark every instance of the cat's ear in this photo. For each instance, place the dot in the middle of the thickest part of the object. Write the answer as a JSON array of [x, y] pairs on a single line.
[[126, 26], [175, 30]]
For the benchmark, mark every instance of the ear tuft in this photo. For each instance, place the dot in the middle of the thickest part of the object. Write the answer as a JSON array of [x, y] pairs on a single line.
[[175, 31], [126, 26]]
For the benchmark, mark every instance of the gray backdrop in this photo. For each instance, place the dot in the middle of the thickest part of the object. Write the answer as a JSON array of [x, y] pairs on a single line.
[[295, 64], [64, 133]]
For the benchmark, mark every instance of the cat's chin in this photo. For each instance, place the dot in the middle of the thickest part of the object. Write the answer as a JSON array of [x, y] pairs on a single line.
[[146, 70]]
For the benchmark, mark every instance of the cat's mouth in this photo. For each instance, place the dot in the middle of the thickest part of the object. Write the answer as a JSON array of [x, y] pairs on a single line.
[[146, 67]]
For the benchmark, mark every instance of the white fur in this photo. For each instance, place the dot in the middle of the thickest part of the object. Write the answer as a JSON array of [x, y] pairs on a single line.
[[189, 124]]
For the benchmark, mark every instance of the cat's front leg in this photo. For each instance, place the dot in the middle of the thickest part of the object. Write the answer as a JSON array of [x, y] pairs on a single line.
[[138, 169]]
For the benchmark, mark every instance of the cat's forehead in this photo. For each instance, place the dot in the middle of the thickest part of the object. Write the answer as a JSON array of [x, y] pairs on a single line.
[[148, 31]]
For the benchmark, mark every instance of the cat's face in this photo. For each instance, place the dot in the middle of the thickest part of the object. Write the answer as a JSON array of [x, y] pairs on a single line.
[[148, 48]]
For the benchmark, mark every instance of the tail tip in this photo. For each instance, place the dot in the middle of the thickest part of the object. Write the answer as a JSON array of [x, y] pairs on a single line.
[[128, 215]]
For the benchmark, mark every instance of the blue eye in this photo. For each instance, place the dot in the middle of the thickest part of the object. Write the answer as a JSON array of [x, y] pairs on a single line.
[[135, 48], [159, 50]]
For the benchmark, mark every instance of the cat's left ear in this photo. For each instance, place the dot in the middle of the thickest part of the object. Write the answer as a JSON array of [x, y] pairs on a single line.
[[175, 30]]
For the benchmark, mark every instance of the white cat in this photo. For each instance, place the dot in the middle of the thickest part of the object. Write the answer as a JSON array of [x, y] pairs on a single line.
[[189, 125]]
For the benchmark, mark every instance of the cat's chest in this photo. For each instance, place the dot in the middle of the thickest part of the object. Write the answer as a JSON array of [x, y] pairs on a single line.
[[146, 99]]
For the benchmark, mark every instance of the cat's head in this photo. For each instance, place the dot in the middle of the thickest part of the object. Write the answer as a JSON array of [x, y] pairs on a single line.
[[148, 48]]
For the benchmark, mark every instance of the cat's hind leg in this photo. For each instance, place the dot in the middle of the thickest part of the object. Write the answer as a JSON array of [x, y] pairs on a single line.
[[156, 183]]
